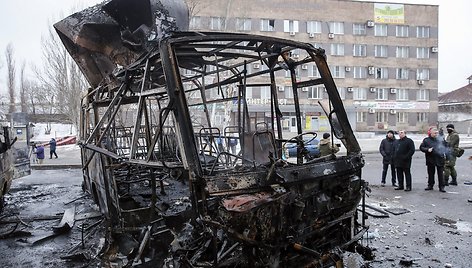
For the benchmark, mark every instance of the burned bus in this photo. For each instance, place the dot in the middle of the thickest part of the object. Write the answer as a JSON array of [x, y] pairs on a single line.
[[177, 165]]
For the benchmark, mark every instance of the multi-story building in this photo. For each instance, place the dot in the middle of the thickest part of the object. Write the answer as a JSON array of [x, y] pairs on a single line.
[[384, 57]]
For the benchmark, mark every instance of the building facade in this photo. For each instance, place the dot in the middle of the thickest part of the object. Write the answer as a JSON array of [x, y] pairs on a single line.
[[384, 57]]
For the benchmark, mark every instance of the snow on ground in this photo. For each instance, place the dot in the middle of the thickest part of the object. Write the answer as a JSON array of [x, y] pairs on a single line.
[[58, 130]]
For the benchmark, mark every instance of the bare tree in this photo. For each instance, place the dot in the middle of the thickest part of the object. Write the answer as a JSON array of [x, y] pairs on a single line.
[[61, 81], [10, 76], [23, 86], [194, 7]]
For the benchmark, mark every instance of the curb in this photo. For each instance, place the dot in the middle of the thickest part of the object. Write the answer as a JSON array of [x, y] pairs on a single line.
[[54, 167], [416, 150]]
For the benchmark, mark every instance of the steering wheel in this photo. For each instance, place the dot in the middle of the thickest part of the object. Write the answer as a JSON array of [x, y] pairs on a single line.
[[299, 138]]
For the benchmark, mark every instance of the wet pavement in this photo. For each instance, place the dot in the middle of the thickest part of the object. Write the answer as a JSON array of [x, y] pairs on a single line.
[[34, 206], [435, 231]]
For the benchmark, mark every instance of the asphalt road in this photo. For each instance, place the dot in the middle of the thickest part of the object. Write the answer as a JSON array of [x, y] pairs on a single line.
[[45, 194], [437, 232]]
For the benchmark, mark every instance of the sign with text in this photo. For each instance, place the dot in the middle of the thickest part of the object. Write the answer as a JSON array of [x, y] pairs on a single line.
[[386, 105], [389, 13]]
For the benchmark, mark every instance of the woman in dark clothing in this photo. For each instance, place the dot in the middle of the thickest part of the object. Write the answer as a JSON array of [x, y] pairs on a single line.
[[435, 154], [386, 149], [404, 150]]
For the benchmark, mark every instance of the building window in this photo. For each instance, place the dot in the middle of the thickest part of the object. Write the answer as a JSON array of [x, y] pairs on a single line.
[[313, 26], [381, 117], [190, 72], [422, 74], [358, 29], [249, 93], [315, 93], [337, 49], [361, 117], [402, 52], [422, 117], [359, 93], [267, 25], [402, 117], [265, 68], [402, 94], [313, 71], [422, 31], [196, 22], [381, 51], [265, 92], [243, 24], [422, 95], [288, 92], [337, 71], [359, 50], [422, 52], [402, 74], [382, 94], [381, 73], [380, 30], [360, 72], [295, 53], [216, 23], [402, 31], [336, 27], [342, 93], [288, 74], [291, 26]]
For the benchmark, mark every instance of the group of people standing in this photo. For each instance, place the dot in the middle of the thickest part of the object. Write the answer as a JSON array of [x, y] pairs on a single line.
[[38, 151], [440, 154]]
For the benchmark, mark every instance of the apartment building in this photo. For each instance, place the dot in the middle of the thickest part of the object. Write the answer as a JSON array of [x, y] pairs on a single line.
[[384, 57]]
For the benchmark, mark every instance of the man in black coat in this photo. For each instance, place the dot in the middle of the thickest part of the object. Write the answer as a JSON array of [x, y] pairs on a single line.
[[404, 150], [435, 153], [387, 149]]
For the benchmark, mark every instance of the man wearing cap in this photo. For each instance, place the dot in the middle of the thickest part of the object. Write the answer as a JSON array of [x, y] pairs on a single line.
[[387, 149], [325, 146], [452, 145]]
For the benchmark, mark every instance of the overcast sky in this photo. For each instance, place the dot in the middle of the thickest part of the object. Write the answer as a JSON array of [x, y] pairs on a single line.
[[22, 22]]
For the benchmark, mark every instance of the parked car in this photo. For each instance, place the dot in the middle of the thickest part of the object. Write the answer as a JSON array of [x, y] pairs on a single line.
[[310, 149], [6, 167]]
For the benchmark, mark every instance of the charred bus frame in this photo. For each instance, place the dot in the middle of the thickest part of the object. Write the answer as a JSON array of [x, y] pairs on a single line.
[[161, 168]]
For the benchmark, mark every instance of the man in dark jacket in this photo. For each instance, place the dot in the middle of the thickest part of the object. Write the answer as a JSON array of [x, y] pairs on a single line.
[[52, 148], [387, 148], [450, 165], [435, 153], [404, 150]]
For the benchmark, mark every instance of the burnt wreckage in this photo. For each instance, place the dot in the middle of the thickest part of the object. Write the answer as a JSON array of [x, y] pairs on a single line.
[[177, 164]]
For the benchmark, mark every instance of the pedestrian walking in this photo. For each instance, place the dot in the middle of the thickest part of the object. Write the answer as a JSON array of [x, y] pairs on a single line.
[[452, 141], [232, 143], [404, 150], [40, 153], [52, 148], [470, 199], [219, 143], [33, 153], [387, 149], [435, 154]]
